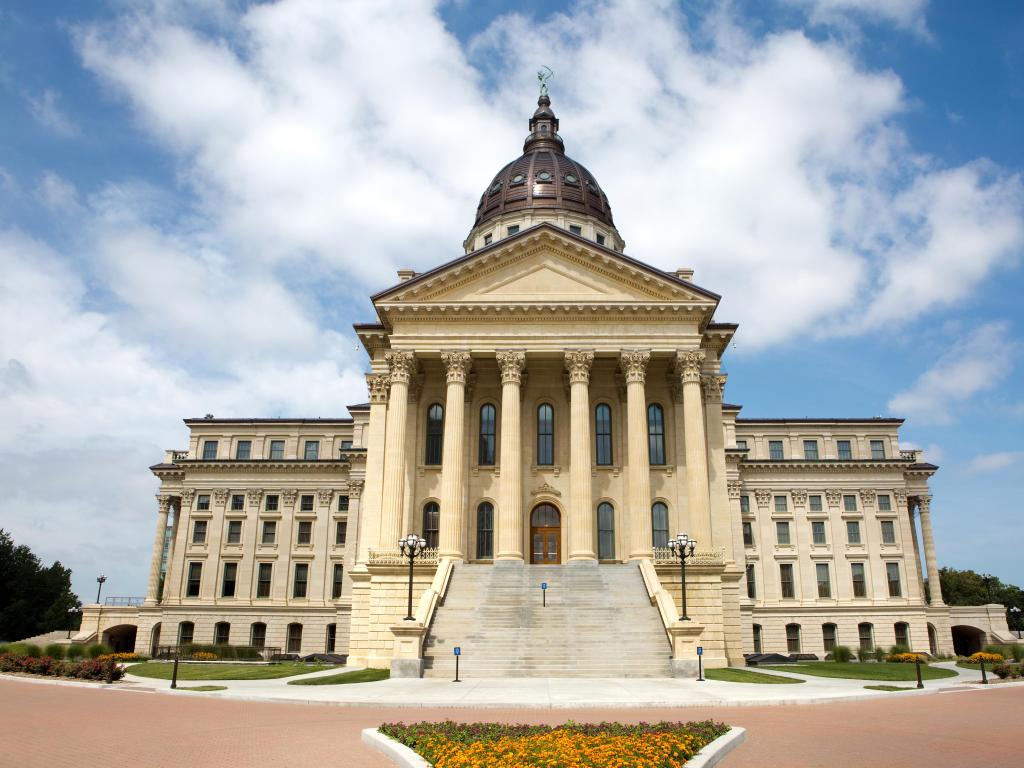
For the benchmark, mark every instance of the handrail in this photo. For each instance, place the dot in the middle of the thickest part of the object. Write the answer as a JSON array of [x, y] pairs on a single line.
[[435, 592], [658, 594]]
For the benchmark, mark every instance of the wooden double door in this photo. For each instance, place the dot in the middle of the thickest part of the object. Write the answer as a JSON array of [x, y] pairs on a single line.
[[545, 535]]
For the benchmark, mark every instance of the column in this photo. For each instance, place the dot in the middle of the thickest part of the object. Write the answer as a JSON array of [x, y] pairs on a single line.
[[368, 528], [931, 562], [688, 367], [176, 559], [634, 366], [510, 491], [153, 587], [581, 512], [393, 484], [453, 479], [721, 523]]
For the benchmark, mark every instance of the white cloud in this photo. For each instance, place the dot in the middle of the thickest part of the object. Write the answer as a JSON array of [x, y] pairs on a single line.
[[57, 193], [908, 14], [49, 115], [993, 462], [974, 364]]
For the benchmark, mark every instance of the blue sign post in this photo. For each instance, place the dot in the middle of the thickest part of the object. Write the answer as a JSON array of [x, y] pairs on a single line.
[[544, 592], [700, 664], [458, 652]]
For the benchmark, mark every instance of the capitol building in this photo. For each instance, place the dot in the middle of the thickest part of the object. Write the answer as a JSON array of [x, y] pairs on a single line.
[[545, 409]]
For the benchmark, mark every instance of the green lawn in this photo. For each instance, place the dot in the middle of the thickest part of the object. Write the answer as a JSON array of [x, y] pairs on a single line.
[[202, 688], [357, 676], [857, 671], [891, 687], [730, 675], [161, 670]]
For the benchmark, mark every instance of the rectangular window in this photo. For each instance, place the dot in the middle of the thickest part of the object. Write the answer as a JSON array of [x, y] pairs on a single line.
[[221, 633], [828, 635], [844, 450], [311, 450], [884, 502], [751, 585], [276, 449], [545, 435], [339, 572], [748, 534], [346, 445], [203, 502], [818, 532], [600, 239], [343, 503], [852, 532], [186, 633], [301, 580], [258, 635], [340, 532], [877, 449], [888, 532], [306, 502], [824, 582], [780, 504], [234, 531], [741, 444], [488, 238], [865, 636], [782, 532], [199, 532], [811, 449], [195, 575], [892, 575], [849, 503], [269, 532], [243, 450], [305, 532], [745, 504], [513, 229], [272, 501], [576, 229], [902, 634], [603, 434], [294, 638], [332, 637], [775, 450], [860, 586], [264, 575], [209, 450], [757, 638], [237, 502], [815, 502], [786, 580], [227, 588], [793, 638]]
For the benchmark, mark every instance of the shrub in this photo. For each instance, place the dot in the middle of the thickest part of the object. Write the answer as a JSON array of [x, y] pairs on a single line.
[[1002, 671], [878, 654], [898, 649], [906, 658], [842, 653], [96, 650], [865, 654], [84, 670], [988, 658], [74, 652], [25, 649], [54, 651]]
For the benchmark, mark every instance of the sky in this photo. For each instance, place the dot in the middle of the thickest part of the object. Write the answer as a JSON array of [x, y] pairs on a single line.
[[198, 196]]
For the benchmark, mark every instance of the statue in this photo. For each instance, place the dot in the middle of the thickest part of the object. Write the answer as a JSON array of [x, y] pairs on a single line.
[[543, 75]]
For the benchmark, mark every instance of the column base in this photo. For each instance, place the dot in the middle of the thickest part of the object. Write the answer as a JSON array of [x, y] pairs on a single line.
[[683, 668], [407, 667]]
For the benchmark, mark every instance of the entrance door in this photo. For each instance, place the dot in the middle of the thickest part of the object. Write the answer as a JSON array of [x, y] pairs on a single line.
[[545, 535]]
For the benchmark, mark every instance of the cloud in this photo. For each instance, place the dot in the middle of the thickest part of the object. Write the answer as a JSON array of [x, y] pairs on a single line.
[[907, 14], [46, 111], [57, 193], [976, 363], [993, 462]]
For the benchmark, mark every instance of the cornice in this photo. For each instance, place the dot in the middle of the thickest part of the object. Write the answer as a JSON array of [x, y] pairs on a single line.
[[827, 466], [262, 466]]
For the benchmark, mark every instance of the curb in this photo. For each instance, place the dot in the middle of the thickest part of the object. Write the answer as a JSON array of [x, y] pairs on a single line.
[[719, 748]]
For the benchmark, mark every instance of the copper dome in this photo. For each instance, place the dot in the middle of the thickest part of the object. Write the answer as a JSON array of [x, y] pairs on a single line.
[[544, 177]]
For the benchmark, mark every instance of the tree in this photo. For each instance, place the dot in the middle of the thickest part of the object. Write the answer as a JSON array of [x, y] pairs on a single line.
[[971, 588], [33, 598]]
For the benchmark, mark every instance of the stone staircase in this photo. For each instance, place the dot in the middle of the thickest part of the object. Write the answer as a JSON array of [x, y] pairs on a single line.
[[598, 622]]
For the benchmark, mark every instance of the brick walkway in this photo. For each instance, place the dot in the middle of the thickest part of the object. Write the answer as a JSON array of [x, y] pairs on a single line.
[[55, 726]]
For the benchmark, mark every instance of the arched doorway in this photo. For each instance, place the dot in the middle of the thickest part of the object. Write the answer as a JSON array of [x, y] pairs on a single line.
[[545, 535], [121, 638], [967, 640], [154, 644]]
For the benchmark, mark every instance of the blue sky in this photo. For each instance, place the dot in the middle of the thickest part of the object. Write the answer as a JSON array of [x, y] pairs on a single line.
[[197, 197]]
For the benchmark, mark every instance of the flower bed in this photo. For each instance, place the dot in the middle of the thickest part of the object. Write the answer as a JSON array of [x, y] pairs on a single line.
[[603, 745], [122, 658], [50, 667]]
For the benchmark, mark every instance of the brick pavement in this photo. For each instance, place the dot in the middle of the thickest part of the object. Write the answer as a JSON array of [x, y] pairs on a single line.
[[50, 725]]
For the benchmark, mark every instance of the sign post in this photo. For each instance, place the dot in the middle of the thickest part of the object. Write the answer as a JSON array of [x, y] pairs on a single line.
[[544, 592], [458, 652], [700, 664]]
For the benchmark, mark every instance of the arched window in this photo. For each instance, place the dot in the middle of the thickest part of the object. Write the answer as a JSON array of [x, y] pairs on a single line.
[[221, 633], [866, 634], [757, 639], [435, 433], [485, 530], [603, 434], [294, 638], [659, 525], [258, 635], [902, 634], [545, 435], [431, 523], [605, 531], [485, 457], [828, 636], [186, 633], [656, 434], [793, 638]]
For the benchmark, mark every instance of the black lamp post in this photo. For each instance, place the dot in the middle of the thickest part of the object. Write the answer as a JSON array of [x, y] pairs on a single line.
[[987, 581], [683, 547], [99, 580], [71, 619], [411, 546]]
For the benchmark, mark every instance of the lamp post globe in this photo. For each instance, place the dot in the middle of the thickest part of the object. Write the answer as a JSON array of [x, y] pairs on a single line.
[[683, 547], [411, 546], [99, 580]]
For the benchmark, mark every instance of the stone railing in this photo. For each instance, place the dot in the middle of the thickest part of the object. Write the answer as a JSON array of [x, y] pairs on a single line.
[[910, 455], [394, 557], [712, 557]]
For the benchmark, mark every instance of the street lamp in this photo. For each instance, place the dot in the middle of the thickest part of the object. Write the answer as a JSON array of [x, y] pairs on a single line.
[[72, 612], [411, 546], [1015, 612], [683, 547], [99, 580]]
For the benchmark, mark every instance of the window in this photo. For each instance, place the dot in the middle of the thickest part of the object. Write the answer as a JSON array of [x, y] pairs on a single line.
[[258, 634], [892, 575], [888, 532], [786, 579], [849, 503], [237, 502], [343, 503], [545, 435], [600, 239], [603, 434], [782, 532], [852, 532], [884, 502], [435, 434], [606, 531], [576, 229], [757, 638], [203, 502], [902, 634], [339, 573], [209, 450], [305, 532], [815, 502], [860, 587], [659, 524], [485, 530], [828, 634], [748, 534], [824, 581], [199, 532], [277, 449], [195, 575], [844, 450], [301, 582], [186, 633], [221, 633], [513, 229], [780, 504], [741, 444], [818, 532], [271, 502], [264, 574], [346, 445], [311, 450], [234, 531], [340, 533], [306, 502], [227, 588], [744, 504], [775, 450], [866, 635], [243, 450], [751, 584], [269, 532], [656, 434], [488, 238], [294, 638], [811, 449], [877, 449], [488, 431], [793, 638], [431, 523], [332, 637]]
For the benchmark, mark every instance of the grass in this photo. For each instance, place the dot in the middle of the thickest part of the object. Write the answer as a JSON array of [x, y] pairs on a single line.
[[356, 676], [858, 671], [891, 687], [161, 670], [202, 688], [730, 675]]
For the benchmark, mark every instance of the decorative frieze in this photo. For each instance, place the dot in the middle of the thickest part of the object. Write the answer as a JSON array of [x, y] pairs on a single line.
[[634, 365], [457, 365], [400, 366], [545, 489], [578, 363], [511, 363], [378, 385]]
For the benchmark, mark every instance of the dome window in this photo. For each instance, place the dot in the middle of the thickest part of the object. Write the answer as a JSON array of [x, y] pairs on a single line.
[[570, 179], [518, 179], [591, 187], [495, 187], [488, 238], [576, 229], [544, 176], [600, 238]]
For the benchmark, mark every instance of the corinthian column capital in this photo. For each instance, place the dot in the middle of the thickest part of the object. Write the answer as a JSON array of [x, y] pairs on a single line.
[[688, 365], [378, 384], [634, 364], [511, 362], [924, 504], [578, 363], [714, 387], [163, 503], [400, 365], [457, 364]]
